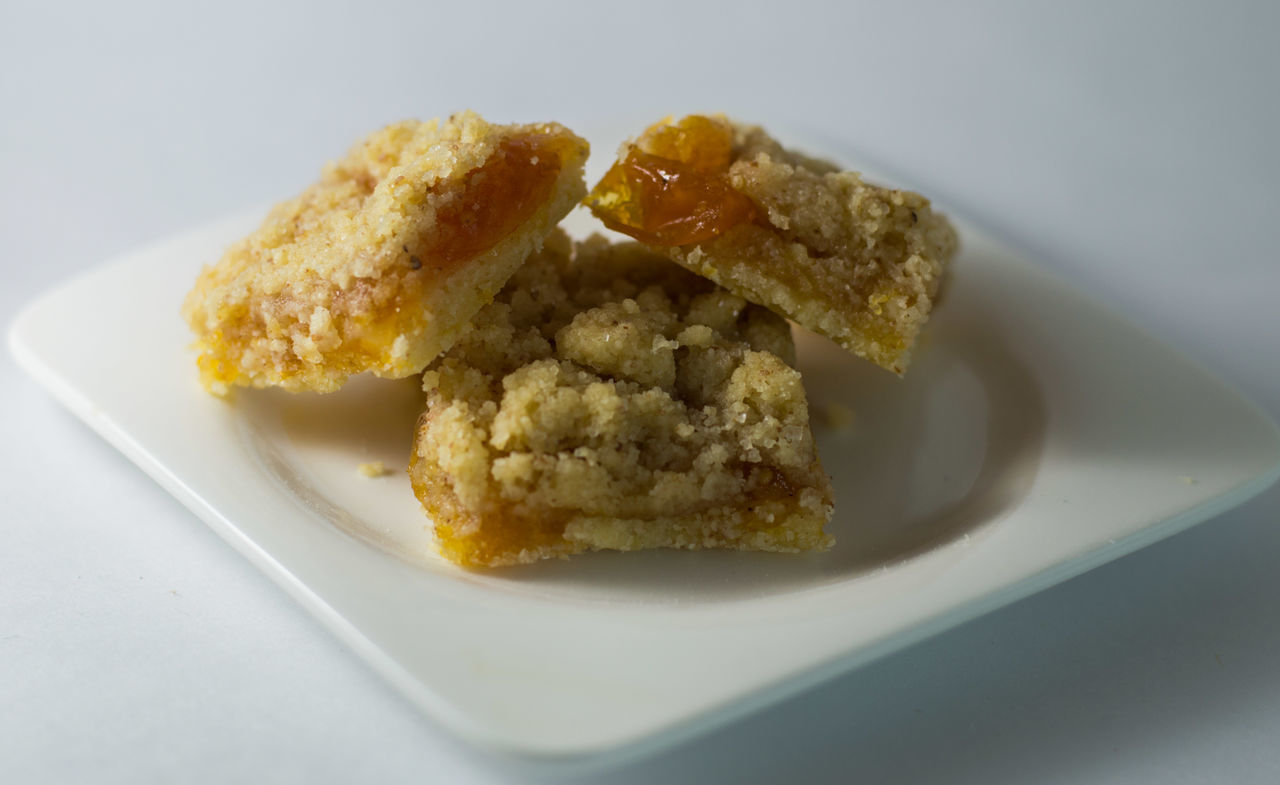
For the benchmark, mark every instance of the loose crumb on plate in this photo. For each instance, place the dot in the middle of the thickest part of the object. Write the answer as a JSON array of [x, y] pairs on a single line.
[[373, 469]]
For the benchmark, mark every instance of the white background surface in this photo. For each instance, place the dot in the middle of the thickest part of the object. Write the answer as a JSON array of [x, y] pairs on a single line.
[[1129, 147]]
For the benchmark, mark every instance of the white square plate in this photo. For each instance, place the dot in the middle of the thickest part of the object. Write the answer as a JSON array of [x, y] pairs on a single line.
[[1036, 436]]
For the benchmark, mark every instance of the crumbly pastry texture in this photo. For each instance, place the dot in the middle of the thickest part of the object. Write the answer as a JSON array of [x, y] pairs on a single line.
[[856, 262], [608, 399], [381, 264]]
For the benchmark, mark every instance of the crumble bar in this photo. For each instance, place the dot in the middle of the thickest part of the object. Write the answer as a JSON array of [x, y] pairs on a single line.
[[856, 262], [381, 264], [608, 399]]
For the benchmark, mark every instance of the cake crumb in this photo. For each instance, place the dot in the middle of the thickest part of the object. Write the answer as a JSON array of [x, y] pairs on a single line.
[[373, 469]]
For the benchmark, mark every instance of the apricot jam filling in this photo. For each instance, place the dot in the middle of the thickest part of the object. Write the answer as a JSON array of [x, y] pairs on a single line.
[[672, 187], [493, 200], [503, 533]]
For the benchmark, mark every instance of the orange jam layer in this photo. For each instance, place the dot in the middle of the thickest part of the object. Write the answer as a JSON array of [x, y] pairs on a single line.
[[502, 535], [493, 200], [672, 187]]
